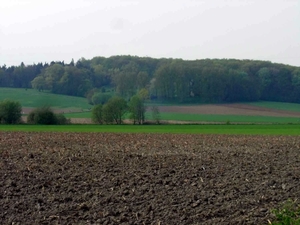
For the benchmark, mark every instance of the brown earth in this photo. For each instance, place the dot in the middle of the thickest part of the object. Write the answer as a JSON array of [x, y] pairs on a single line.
[[103, 178]]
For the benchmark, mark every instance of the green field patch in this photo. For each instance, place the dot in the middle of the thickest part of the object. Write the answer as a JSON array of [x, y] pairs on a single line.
[[278, 105], [224, 118], [205, 118], [33, 98], [84, 115], [180, 129]]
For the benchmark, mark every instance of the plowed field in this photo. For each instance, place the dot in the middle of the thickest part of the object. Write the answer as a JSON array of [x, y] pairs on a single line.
[[103, 178], [229, 109]]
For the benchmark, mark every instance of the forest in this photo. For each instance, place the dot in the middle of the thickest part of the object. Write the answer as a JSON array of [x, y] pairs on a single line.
[[165, 79]]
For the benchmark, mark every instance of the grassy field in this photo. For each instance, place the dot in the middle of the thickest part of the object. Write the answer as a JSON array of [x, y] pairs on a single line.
[[85, 115], [207, 118], [225, 118], [182, 129], [278, 105], [33, 98]]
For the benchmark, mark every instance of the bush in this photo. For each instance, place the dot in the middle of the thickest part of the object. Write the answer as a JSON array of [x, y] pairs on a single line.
[[97, 114], [10, 112], [107, 114], [61, 119], [46, 116]]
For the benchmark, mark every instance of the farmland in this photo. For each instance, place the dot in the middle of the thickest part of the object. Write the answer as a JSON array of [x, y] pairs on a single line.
[[143, 178], [150, 174], [279, 129], [78, 109]]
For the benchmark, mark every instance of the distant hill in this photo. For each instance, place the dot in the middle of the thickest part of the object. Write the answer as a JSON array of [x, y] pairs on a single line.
[[30, 98], [167, 80]]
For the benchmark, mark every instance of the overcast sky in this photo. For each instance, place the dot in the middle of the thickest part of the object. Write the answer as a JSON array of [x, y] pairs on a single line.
[[33, 31]]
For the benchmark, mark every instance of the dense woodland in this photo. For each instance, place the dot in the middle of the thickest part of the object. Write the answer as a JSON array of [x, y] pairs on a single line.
[[175, 80]]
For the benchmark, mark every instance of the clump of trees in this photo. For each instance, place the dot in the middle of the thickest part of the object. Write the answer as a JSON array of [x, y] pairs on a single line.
[[10, 112], [114, 111], [46, 116]]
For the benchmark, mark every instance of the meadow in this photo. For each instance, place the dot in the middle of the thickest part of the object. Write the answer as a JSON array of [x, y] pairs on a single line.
[[278, 105], [77, 107], [280, 129], [32, 98], [209, 118], [224, 118]]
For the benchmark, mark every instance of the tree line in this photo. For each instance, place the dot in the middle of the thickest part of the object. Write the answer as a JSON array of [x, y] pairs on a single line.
[[112, 112], [175, 80], [116, 108]]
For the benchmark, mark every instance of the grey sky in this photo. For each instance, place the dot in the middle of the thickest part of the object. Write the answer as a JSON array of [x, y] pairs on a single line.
[[35, 31]]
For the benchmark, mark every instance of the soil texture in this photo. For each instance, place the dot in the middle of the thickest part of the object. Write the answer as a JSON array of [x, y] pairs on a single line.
[[229, 109], [103, 178]]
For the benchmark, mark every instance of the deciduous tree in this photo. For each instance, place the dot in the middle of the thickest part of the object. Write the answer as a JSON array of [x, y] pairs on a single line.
[[114, 110], [137, 109], [10, 112], [97, 114]]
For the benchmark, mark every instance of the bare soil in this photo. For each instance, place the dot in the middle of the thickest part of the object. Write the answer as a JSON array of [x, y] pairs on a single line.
[[103, 178]]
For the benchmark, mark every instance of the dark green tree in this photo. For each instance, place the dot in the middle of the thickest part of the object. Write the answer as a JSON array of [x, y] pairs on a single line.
[[107, 114], [164, 82], [97, 114], [114, 110], [39, 83], [2, 77], [137, 109], [10, 112]]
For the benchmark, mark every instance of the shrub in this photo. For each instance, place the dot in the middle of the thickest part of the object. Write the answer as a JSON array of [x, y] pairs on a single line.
[[61, 119], [10, 112], [46, 116], [97, 114]]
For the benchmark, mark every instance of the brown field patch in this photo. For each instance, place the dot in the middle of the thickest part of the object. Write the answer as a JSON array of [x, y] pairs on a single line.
[[103, 178]]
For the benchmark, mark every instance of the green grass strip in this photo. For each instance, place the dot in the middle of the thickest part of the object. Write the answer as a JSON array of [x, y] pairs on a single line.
[[84, 115], [224, 118], [181, 129], [278, 105]]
